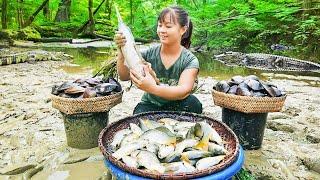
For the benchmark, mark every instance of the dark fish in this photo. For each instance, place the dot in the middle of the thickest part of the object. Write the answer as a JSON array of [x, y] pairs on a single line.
[[80, 80], [233, 89], [66, 85], [254, 77], [87, 88], [237, 79], [254, 84], [277, 91], [89, 93], [74, 90], [93, 81], [243, 90], [115, 82], [105, 88], [222, 86], [270, 91], [54, 90]]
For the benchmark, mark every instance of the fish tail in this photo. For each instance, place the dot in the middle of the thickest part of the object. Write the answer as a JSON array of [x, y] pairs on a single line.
[[118, 14]]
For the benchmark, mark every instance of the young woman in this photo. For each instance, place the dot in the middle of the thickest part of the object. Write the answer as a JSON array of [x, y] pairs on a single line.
[[174, 65]]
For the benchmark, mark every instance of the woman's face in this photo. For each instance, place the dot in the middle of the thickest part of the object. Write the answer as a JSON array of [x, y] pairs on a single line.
[[169, 32]]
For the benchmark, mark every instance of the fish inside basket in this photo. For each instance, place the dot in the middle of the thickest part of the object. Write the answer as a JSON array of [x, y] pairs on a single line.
[[188, 155]]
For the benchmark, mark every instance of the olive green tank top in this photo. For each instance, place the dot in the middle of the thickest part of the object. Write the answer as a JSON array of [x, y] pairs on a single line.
[[170, 76]]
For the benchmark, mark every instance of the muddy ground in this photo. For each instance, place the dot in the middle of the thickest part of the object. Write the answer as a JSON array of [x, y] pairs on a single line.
[[33, 140]]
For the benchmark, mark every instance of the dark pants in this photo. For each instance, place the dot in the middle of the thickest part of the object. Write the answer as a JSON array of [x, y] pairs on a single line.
[[189, 104]]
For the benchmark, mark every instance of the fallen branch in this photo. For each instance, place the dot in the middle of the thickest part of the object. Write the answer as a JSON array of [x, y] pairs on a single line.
[[48, 40], [103, 37], [111, 38], [89, 41]]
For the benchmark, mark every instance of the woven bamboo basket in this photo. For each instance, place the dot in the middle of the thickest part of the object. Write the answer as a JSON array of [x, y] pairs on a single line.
[[230, 139], [248, 104], [86, 105]]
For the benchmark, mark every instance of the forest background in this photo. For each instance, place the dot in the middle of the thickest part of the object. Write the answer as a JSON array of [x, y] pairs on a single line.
[[219, 25]]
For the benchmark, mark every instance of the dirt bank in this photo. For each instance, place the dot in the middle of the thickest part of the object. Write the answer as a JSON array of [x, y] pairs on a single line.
[[32, 136]]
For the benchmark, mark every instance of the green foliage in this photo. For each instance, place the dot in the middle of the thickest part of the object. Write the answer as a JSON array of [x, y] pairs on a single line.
[[28, 33], [244, 175], [219, 25]]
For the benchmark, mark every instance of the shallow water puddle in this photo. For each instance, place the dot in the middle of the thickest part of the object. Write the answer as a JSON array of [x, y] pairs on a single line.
[[81, 170]]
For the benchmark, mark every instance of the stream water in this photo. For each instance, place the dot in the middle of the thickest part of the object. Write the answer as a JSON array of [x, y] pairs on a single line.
[[86, 59]]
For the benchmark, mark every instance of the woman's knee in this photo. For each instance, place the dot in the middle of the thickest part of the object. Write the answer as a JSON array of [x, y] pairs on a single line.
[[144, 107]]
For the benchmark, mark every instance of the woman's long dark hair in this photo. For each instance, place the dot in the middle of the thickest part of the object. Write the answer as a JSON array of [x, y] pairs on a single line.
[[179, 14]]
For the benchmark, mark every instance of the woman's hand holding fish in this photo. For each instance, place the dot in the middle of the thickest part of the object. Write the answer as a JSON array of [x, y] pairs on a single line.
[[153, 74], [146, 83], [119, 39]]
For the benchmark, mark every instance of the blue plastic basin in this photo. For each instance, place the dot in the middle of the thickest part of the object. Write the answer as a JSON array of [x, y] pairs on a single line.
[[221, 175]]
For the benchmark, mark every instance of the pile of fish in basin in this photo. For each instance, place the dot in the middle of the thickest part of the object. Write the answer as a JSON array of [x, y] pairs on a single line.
[[87, 88], [249, 86], [168, 146]]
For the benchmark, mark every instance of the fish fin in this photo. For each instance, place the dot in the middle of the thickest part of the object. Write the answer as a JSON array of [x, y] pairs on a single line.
[[185, 158], [147, 123], [203, 144]]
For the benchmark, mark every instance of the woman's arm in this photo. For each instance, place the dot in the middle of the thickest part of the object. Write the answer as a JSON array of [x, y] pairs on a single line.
[[181, 91]]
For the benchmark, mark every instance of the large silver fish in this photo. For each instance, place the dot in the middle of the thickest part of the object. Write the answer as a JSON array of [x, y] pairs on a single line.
[[130, 161], [165, 151], [158, 137], [119, 136], [150, 161], [185, 144], [208, 133], [179, 167], [128, 149], [208, 162], [131, 53]]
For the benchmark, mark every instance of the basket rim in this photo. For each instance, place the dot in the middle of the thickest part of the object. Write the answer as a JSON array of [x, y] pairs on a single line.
[[248, 97], [248, 104], [194, 174], [55, 97]]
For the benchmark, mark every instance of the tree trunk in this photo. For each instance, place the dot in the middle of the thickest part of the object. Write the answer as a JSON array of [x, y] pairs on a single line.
[[63, 13], [4, 14], [131, 12], [31, 18], [91, 20], [87, 22], [20, 13], [46, 11]]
